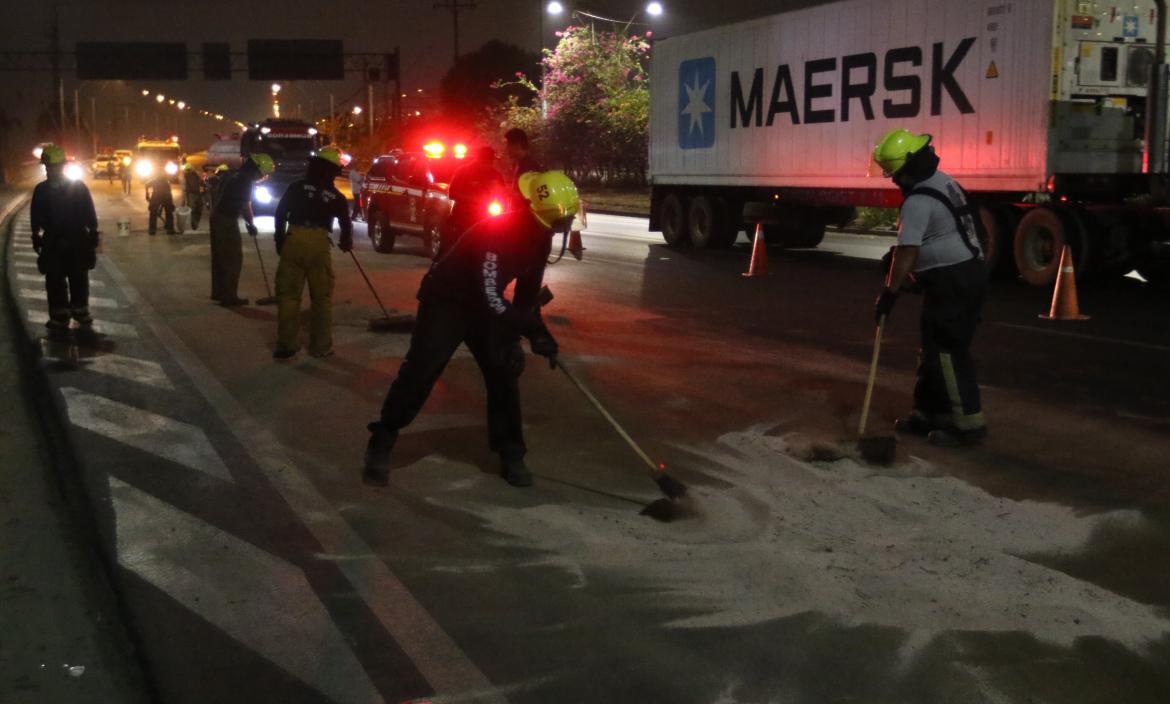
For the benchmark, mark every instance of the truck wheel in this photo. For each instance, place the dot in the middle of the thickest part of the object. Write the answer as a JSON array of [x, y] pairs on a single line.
[[707, 223], [672, 217], [1040, 236], [381, 236], [999, 223]]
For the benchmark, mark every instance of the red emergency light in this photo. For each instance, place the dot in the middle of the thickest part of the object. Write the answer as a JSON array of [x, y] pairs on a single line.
[[495, 208], [434, 150], [460, 151]]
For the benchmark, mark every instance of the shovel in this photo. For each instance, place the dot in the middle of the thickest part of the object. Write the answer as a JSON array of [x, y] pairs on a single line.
[[879, 449], [268, 300]]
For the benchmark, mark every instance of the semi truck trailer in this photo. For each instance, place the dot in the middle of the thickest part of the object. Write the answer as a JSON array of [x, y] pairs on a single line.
[[1051, 113]]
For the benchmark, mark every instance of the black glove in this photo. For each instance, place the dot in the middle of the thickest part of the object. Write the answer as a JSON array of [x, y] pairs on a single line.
[[544, 345], [252, 229], [346, 243], [884, 305], [37, 243]]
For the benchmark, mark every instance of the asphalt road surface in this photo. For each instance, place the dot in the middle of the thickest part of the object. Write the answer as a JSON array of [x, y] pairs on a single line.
[[256, 567]]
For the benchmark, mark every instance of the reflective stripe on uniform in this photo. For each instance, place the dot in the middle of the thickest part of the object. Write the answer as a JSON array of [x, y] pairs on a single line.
[[959, 419]]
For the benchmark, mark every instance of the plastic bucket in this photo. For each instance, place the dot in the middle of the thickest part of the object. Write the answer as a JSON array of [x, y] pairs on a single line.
[[123, 227], [182, 219]]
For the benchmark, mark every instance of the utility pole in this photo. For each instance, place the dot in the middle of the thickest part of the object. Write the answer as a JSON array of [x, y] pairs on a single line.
[[370, 101], [93, 122], [455, 7], [55, 61]]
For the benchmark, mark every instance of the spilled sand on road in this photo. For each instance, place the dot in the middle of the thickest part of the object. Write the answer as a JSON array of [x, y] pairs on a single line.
[[775, 537]]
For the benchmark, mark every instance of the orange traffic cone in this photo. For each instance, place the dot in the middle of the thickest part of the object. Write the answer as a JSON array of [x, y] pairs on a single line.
[[759, 265], [1064, 296], [575, 247]]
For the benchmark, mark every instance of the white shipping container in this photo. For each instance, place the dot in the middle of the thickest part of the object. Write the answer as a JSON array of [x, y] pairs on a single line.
[[1012, 92]]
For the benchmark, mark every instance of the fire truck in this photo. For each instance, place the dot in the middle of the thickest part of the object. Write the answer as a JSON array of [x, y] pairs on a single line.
[[290, 143]]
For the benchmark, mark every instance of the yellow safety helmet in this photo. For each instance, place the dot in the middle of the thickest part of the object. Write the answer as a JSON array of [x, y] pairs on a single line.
[[221, 168], [552, 196], [264, 163], [892, 152], [331, 155], [52, 155]]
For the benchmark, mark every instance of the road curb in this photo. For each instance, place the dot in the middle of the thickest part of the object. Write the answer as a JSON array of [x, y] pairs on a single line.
[[48, 410]]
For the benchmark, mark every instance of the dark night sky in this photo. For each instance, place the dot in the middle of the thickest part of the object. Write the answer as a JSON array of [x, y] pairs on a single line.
[[423, 33]]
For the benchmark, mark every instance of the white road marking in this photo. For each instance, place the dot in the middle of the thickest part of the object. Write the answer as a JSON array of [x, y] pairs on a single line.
[[439, 658], [94, 301], [255, 597], [141, 371], [168, 438], [22, 246], [1082, 336], [32, 278], [104, 327], [26, 265], [25, 255]]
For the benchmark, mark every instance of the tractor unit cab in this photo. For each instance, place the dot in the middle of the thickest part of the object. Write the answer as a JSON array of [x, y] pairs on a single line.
[[290, 143]]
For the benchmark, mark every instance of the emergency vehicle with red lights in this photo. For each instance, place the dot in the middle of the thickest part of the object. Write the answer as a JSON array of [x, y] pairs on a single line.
[[405, 193]]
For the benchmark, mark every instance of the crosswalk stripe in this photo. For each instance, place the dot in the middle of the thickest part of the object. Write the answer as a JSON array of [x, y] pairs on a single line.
[[32, 278], [94, 301], [142, 371], [165, 437], [25, 255], [22, 246], [434, 653], [25, 265], [255, 597], [104, 327]]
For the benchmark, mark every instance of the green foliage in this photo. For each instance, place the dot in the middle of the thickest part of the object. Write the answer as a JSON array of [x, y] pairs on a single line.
[[469, 89], [877, 218], [595, 97]]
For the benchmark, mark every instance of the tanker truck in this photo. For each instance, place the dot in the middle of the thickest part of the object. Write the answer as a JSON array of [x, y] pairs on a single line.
[[1051, 113]]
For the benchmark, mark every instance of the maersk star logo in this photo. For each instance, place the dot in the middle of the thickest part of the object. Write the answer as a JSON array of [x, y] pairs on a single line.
[[696, 103]]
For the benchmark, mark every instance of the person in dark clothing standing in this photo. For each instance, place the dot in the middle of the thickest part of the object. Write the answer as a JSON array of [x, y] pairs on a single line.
[[193, 194], [158, 199], [65, 238], [461, 301], [234, 202], [519, 152], [938, 252], [125, 172], [472, 189], [308, 209]]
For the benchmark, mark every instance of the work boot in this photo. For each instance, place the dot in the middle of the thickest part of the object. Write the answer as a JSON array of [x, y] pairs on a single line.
[[281, 353], [233, 302], [377, 467], [515, 472], [914, 423], [953, 437], [57, 324]]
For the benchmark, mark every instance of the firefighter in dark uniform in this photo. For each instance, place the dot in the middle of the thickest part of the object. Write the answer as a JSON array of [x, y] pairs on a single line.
[[65, 238], [234, 202], [158, 199], [472, 189], [938, 252], [520, 154], [193, 193], [307, 210], [461, 301]]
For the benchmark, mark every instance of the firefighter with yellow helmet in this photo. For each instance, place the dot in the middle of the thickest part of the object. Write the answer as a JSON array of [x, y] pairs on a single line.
[[938, 253], [234, 202], [462, 301], [304, 221], [65, 238]]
